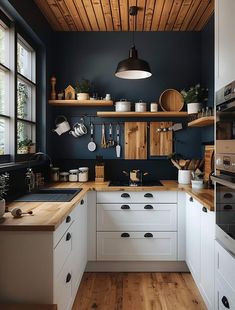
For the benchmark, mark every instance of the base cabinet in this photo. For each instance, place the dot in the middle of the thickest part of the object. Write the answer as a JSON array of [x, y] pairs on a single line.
[[200, 238], [45, 267]]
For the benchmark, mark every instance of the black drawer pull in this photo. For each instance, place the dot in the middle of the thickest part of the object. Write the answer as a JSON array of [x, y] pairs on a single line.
[[82, 202], [125, 235], [204, 209], [148, 195], [68, 236], [228, 207], [148, 207], [225, 302], [125, 195], [68, 278], [68, 219], [191, 199], [125, 207], [148, 235], [228, 195]]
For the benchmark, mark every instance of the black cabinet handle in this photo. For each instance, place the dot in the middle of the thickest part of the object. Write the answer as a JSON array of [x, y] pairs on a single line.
[[228, 195], [228, 207], [68, 278], [125, 207], [125, 195], [148, 235], [125, 235], [82, 202], [204, 209], [148, 207], [68, 236], [191, 199], [148, 195], [225, 302], [68, 219]]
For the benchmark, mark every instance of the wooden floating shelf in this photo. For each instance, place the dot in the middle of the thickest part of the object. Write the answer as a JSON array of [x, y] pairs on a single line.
[[81, 103], [202, 122], [142, 114]]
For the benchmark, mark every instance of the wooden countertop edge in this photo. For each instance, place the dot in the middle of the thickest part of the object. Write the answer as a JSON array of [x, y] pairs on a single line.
[[203, 196]]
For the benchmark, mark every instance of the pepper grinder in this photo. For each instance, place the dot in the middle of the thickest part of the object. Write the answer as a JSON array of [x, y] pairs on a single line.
[[53, 92]]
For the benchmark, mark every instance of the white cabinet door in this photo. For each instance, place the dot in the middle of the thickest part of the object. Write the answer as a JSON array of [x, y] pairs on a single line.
[[118, 246], [207, 256], [224, 42], [193, 236]]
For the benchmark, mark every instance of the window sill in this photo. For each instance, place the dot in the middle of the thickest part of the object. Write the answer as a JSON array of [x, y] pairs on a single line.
[[20, 165]]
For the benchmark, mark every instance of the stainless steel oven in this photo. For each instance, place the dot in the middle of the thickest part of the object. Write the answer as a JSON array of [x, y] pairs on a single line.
[[225, 119]]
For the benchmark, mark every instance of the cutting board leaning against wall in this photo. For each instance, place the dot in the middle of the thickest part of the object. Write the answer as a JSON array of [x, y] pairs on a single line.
[[135, 140]]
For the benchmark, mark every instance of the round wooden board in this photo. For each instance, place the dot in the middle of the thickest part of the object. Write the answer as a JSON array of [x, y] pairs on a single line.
[[171, 101]]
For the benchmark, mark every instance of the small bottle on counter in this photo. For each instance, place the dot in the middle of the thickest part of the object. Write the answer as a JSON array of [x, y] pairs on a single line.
[[64, 176], [55, 174]]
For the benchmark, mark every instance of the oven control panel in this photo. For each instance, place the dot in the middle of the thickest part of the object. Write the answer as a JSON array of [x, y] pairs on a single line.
[[225, 162]]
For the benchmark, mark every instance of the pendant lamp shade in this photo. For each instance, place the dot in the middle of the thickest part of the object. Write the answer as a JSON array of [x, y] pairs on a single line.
[[133, 68]]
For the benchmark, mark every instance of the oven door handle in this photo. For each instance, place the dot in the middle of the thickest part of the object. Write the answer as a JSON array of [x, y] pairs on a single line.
[[223, 182]]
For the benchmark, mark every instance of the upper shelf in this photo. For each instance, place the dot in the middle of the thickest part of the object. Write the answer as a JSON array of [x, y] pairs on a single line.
[[81, 103], [141, 114], [202, 122]]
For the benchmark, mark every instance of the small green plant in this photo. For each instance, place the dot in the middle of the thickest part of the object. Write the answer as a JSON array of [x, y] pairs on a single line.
[[25, 143], [195, 94], [83, 87], [4, 184]]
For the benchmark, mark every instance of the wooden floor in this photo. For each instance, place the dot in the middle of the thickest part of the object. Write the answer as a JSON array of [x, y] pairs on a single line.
[[138, 291]]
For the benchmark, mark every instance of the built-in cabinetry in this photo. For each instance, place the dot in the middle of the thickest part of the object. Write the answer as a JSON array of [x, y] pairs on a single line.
[[200, 235], [136, 226], [224, 43], [45, 266], [224, 278]]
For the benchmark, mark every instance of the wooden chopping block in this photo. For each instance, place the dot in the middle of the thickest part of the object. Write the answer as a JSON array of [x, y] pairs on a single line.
[[161, 143], [135, 140]]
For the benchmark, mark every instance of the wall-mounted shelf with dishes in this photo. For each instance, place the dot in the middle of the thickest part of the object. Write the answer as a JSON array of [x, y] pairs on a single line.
[[81, 103], [141, 114], [202, 122]]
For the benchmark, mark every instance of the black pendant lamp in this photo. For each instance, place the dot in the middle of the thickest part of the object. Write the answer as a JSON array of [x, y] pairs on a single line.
[[133, 68]]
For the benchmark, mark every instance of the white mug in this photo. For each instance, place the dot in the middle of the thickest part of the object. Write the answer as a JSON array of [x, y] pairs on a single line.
[[108, 97], [153, 107], [80, 129], [61, 127]]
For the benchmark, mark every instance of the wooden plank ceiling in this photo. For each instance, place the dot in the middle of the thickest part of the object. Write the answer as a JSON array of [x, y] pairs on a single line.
[[112, 15]]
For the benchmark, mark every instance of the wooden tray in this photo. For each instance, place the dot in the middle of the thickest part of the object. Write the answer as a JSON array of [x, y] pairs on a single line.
[[171, 101]]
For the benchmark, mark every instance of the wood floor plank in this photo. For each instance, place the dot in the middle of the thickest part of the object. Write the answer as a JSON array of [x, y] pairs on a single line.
[[138, 291]]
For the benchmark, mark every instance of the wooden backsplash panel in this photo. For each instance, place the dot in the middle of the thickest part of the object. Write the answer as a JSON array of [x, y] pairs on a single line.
[[135, 140], [161, 143]]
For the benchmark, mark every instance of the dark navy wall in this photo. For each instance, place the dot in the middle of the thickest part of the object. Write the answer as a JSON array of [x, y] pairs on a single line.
[[175, 60]]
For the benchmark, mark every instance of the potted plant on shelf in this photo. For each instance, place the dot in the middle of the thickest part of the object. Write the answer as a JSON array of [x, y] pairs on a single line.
[[82, 89], [4, 186], [194, 98], [26, 146]]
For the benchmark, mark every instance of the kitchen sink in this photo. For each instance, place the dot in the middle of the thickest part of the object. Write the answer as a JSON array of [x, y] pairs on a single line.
[[50, 194]]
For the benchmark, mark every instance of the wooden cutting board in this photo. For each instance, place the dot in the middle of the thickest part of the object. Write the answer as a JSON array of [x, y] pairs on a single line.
[[135, 140], [209, 161], [161, 143]]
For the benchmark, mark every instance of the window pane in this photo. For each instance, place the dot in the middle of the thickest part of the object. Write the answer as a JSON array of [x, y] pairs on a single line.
[[2, 45], [25, 101], [25, 138], [4, 136], [24, 56], [2, 92]]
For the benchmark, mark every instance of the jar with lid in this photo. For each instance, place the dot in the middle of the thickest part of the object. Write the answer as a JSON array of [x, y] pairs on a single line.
[[64, 176], [140, 106], [55, 174], [83, 174], [73, 175]]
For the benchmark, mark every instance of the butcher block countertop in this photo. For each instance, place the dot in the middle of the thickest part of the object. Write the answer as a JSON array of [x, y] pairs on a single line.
[[47, 216]]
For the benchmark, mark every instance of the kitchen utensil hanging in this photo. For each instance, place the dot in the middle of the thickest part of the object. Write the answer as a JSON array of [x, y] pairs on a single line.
[[91, 145], [110, 142], [118, 146], [103, 143]]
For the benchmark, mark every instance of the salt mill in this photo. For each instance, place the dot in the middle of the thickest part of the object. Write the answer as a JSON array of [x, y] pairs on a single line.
[[53, 92]]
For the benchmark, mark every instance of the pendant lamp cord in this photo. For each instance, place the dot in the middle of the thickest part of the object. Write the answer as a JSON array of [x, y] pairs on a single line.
[[133, 31]]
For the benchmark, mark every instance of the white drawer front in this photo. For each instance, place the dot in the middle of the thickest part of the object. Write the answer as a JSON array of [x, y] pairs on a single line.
[[136, 217], [58, 234], [137, 197], [225, 266], [111, 246], [62, 251], [63, 288], [225, 297]]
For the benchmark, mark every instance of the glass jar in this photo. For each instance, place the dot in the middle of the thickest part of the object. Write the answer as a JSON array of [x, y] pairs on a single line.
[[83, 174], [55, 174], [64, 177], [73, 175]]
